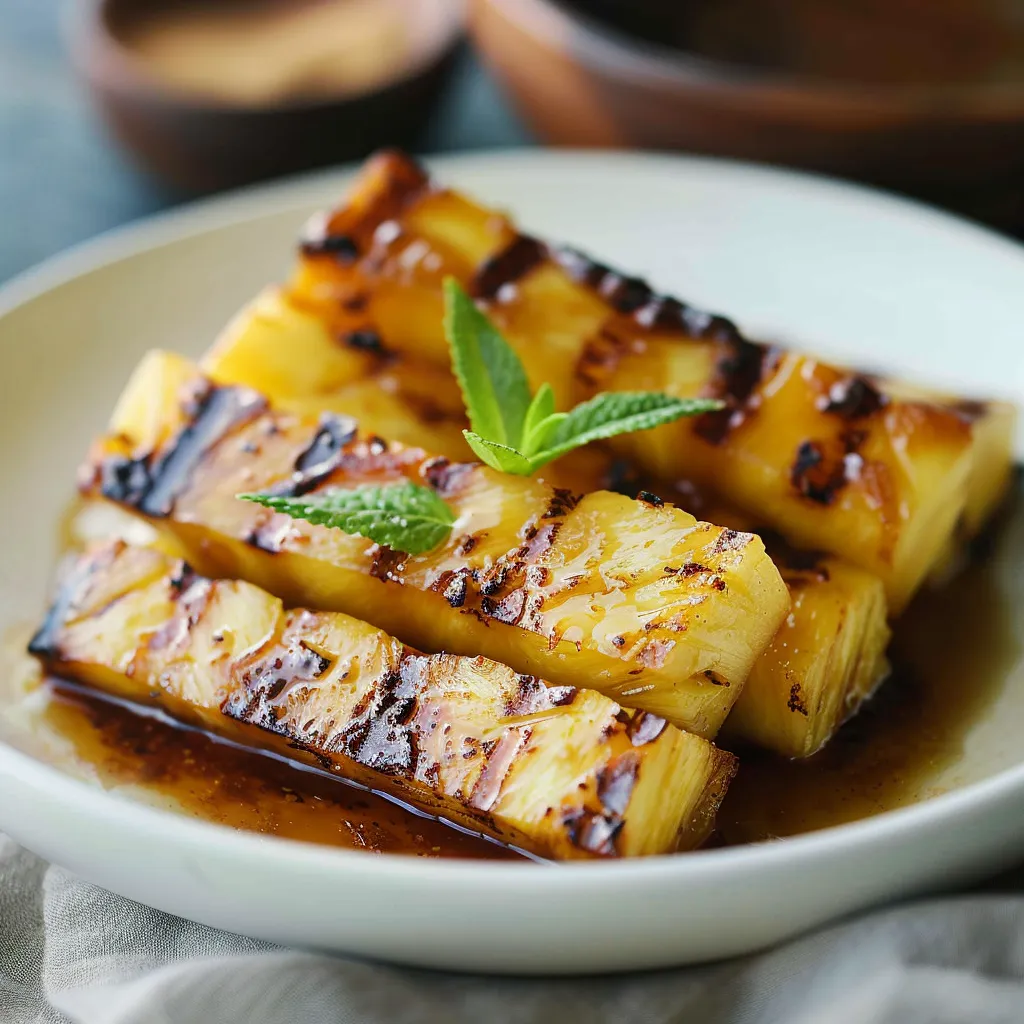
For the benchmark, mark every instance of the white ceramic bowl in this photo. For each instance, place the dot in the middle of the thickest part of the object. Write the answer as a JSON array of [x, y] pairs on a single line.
[[822, 265]]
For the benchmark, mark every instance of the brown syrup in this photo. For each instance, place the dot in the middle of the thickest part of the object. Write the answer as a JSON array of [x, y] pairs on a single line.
[[957, 689], [223, 783]]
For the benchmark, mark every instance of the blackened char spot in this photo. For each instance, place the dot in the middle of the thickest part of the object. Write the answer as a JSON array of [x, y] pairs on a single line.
[[264, 681], [270, 533], [341, 247], [321, 457], [218, 411], [853, 398], [644, 728], [125, 480], [615, 783], [820, 473], [455, 591], [796, 700], [508, 266], [625, 294], [593, 832], [365, 340], [738, 372], [562, 502], [970, 410]]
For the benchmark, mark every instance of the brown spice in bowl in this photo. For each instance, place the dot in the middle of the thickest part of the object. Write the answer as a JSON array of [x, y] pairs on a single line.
[[259, 53]]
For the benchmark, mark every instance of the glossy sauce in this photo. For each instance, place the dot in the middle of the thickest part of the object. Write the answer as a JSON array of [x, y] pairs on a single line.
[[956, 653], [220, 782]]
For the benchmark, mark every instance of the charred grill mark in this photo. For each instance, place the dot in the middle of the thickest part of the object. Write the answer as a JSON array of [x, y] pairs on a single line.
[[510, 608], [615, 783], [970, 410], [270, 534], [741, 367], [644, 728], [72, 584], [561, 696], [455, 591], [853, 398], [738, 372], [819, 475], [181, 578], [508, 266], [365, 340], [191, 598], [125, 480], [321, 457], [562, 502], [444, 475], [729, 540], [387, 564], [492, 582], [320, 242], [530, 695], [596, 833], [796, 700], [153, 490]]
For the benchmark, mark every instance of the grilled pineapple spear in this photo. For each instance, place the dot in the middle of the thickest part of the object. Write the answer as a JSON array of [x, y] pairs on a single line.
[[638, 601], [828, 458], [561, 772], [827, 656]]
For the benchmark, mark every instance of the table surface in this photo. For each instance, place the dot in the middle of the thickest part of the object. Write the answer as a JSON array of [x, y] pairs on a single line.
[[63, 180]]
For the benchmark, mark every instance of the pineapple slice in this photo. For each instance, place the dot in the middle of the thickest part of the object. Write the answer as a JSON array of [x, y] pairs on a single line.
[[828, 458], [561, 772], [827, 656], [286, 353], [825, 660], [636, 599]]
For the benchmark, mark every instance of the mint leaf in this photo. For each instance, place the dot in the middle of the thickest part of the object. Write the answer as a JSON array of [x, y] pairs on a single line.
[[498, 456], [541, 420], [492, 379], [617, 412], [403, 516]]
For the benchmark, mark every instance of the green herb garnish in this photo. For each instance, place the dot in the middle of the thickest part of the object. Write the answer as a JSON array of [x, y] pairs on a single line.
[[402, 516], [515, 431]]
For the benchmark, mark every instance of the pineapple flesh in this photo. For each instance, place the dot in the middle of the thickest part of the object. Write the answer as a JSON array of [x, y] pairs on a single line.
[[635, 599], [560, 772], [829, 653], [830, 459]]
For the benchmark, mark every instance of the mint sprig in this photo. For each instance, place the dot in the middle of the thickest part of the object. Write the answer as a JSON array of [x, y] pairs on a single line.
[[403, 516], [515, 431]]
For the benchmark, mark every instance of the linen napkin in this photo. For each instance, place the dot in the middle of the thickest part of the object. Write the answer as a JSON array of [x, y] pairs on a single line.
[[70, 951]]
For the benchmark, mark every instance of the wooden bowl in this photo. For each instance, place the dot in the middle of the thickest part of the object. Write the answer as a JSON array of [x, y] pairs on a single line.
[[202, 143], [578, 82]]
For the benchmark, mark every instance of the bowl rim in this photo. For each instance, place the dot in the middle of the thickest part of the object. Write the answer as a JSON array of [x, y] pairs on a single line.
[[970, 804], [617, 53], [101, 57]]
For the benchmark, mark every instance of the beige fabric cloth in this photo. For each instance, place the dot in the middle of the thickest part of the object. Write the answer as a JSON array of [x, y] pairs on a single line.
[[70, 951]]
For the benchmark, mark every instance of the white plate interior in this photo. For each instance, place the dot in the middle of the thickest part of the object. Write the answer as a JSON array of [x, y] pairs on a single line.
[[834, 269]]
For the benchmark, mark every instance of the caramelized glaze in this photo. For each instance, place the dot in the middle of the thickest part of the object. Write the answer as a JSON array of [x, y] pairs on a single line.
[[956, 690]]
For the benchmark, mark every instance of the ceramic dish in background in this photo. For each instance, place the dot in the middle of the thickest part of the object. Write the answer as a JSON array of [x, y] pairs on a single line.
[[830, 267], [201, 139], [580, 82]]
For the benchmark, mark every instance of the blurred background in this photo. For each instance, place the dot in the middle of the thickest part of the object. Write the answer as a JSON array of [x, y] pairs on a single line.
[[113, 109]]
